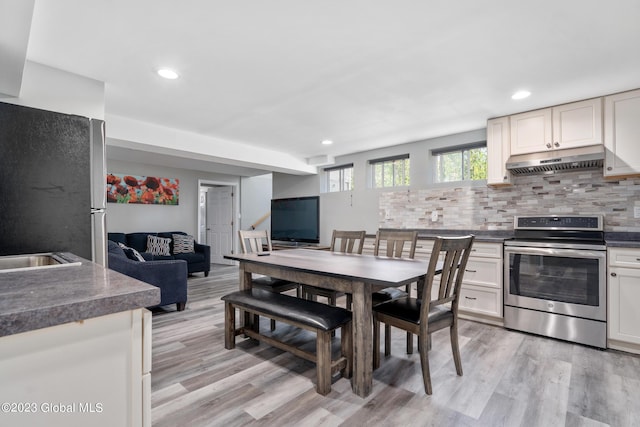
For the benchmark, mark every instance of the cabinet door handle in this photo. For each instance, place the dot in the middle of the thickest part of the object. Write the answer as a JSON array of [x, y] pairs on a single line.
[[609, 168], [466, 297], [548, 145], [557, 144], [470, 271], [613, 274]]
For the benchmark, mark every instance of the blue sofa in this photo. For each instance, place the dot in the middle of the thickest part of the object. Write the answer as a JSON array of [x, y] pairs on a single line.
[[197, 261], [168, 275]]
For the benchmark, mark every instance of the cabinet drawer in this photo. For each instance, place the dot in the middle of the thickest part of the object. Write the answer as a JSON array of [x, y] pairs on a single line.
[[490, 250], [484, 272], [481, 300], [624, 257]]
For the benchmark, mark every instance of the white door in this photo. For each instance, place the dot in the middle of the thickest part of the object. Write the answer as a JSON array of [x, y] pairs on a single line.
[[220, 223]]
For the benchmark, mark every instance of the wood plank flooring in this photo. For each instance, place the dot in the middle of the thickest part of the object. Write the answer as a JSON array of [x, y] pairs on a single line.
[[510, 378]]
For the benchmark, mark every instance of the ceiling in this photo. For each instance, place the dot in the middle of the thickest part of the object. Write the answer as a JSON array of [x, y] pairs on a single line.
[[286, 74]]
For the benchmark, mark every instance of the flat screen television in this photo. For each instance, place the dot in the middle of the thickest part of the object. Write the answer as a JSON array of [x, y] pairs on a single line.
[[296, 219]]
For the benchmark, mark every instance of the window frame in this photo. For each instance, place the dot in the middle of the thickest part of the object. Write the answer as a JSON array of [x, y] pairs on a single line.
[[436, 153], [341, 169], [389, 162]]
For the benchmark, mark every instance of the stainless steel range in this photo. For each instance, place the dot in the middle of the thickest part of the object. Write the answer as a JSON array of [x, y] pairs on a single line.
[[554, 276]]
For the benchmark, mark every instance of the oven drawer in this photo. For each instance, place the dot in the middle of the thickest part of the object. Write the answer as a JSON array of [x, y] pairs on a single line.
[[479, 299], [624, 257]]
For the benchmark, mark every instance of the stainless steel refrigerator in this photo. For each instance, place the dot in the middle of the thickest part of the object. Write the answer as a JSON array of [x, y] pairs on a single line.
[[52, 183]]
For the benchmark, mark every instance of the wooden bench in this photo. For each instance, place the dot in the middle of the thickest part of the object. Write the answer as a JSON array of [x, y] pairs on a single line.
[[309, 315]]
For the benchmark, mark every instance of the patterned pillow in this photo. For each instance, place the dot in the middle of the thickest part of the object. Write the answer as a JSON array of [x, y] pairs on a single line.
[[158, 245], [131, 253], [183, 244]]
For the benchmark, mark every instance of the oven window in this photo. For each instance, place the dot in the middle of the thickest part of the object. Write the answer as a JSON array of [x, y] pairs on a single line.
[[563, 279]]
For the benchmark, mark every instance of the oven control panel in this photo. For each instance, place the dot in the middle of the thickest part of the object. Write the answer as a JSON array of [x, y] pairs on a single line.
[[556, 222]]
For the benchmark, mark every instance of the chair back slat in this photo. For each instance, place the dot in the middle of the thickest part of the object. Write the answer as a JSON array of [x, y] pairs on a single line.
[[253, 240], [456, 252], [395, 243], [348, 241]]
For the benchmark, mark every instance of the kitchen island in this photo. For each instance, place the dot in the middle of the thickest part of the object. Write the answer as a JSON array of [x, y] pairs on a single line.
[[75, 346]]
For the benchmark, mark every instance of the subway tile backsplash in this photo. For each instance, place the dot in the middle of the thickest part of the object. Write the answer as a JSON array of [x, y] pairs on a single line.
[[488, 208]]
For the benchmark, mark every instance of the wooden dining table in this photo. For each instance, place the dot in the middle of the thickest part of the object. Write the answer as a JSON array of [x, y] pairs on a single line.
[[359, 275]]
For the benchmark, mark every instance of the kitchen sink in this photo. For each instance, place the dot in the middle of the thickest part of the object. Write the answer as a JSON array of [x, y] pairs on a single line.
[[28, 262]]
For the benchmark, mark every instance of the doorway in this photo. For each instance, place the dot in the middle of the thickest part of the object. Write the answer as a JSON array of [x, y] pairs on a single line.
[[216, 225]]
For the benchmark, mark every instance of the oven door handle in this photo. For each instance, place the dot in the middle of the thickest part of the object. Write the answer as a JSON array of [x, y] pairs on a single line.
[[567, 253]]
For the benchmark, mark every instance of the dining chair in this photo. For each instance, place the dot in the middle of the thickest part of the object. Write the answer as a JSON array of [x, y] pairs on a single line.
[[255, 241], [398, 244], [422, 316], [344, 241]]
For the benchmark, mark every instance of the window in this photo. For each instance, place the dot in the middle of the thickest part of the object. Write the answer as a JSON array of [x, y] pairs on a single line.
[[390, 171], [468, 163], [339, 178]]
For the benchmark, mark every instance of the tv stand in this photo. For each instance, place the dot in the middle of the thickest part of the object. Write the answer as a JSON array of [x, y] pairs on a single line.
[[281, 245]]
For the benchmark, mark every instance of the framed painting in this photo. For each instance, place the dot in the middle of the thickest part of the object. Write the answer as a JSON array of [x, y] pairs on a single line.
[[149, 190]]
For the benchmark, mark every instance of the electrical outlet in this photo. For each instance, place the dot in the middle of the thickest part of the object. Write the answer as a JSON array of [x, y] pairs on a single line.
[[434, 216], [636, 211]]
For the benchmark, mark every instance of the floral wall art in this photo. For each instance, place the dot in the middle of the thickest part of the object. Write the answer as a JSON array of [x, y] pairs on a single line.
[[148, 190]]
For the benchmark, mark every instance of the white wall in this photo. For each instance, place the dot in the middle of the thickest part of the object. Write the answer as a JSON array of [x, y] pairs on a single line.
[[255, 201], [359, 209], [127, 218]]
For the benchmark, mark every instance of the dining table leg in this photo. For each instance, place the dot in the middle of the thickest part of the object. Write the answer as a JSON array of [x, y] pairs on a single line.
[[246, 283], [362, 380]]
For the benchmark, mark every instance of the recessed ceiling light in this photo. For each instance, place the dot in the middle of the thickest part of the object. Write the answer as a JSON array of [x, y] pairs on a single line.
[[168, 73], [327, 142], [521, 94]]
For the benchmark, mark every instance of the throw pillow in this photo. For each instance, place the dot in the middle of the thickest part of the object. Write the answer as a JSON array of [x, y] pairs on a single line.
[[183, 244], [158, 245], [131, 253]]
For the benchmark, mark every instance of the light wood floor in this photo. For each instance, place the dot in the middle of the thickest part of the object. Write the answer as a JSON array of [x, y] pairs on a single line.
[[510, 378]]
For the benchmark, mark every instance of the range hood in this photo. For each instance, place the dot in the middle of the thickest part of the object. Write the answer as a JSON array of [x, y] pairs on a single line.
[[566, 160]]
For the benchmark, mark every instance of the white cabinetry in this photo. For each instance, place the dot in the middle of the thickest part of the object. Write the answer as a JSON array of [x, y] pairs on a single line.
[[624, 299], [622, 134], [573, 125], [95, 372], [531, 131], [481, 295], [498, 151]]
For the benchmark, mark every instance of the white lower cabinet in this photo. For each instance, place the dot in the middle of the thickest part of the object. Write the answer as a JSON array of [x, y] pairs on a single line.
[[623, 295], [481, 300], [84, 373], [481, 294]]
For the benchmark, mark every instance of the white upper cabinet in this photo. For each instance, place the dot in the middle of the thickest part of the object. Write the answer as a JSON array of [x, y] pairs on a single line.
[[622, 134], [531, 131], [498, 151], [577, 124]]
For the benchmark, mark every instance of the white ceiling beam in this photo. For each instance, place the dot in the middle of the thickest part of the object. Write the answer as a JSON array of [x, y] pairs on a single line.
[[15, 26]]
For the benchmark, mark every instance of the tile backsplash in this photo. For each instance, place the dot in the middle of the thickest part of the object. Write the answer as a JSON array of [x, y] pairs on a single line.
[[467, 207]]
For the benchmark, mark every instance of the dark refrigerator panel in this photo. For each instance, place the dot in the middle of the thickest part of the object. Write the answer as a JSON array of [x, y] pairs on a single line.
[[45, 193]]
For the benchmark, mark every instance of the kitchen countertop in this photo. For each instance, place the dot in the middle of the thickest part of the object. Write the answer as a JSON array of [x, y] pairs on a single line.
[[488, 236], [46, 297], [622, 239]]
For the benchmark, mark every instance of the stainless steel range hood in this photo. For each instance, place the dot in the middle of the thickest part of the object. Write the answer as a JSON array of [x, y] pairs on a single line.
[[567, 160]]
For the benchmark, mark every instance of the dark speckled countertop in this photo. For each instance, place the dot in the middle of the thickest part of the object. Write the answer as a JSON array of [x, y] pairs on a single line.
[[37, 299], [622, 240], [612, 239], [489, 236]]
